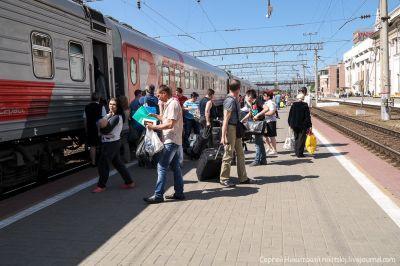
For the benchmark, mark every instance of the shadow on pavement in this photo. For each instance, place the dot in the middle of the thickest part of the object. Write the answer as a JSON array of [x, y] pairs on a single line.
[[69, 231], [211, 193], [333, 145], [261, 180], [291, 162], [324, 155]]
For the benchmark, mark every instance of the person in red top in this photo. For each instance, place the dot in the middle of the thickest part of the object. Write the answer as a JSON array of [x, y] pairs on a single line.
[[180, 97]]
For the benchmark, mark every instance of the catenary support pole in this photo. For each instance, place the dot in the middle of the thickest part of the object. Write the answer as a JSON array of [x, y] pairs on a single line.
[[316, 76], [385, 81]]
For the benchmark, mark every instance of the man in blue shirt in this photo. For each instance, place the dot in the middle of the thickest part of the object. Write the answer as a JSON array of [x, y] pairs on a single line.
[[150, 100], [191, 108], [278, 100], [135, 129]]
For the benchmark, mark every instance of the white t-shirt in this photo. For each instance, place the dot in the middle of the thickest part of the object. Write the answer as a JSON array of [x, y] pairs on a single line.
[[271, 107], [307, 100]]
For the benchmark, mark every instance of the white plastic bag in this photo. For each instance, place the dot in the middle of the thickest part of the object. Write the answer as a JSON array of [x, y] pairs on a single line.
[[152, 143], [289, 141]]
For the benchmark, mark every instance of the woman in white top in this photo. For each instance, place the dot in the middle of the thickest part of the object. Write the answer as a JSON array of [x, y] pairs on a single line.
[[270, 119], [110, 129]]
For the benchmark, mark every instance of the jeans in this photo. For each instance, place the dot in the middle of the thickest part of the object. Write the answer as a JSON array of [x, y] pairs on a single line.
[[188, 126], [261, 156], [170, 157]]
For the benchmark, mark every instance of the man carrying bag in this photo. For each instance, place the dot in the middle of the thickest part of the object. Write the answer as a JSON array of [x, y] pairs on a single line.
[[231, 137]]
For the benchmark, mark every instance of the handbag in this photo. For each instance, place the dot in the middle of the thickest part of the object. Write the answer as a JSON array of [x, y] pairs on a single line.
[[311, 142], [289, 141], [255, 127]]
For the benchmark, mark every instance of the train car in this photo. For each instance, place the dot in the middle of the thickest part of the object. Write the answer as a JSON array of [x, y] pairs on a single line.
[[141, 60], [51, 52], [46, 78]]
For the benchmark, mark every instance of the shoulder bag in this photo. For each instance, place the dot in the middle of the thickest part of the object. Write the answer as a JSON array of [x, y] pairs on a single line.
[[240, 128]]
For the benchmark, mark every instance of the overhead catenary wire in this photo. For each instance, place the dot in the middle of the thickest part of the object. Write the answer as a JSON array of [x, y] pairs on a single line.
[[173, 24], [211, 23], [256, 28], [333, 35]]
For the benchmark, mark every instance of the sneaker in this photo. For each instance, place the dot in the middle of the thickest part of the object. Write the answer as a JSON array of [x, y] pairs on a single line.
[[263, 163], [272, 152], [247, 181], [98, 190], [175, 197], [153, 200], [227, 183], [128, 186], [253, 164]]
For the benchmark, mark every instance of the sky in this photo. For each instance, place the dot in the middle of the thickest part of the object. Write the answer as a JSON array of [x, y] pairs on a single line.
[[189, 25]]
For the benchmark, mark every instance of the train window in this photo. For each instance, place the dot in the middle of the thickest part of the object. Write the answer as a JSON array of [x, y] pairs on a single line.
[[195, 81], [177, 78], [187, 80], [133, 71], [76, 62], [42, 55], [165, 75]]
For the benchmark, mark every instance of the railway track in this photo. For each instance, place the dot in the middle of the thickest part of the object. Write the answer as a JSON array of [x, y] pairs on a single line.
[[383, 141]]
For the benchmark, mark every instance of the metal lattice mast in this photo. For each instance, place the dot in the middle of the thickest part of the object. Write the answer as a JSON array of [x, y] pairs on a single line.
[[263, 64], [278, 48]]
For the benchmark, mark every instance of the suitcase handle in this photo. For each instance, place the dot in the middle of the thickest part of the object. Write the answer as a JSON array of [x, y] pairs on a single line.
[[216, 155]]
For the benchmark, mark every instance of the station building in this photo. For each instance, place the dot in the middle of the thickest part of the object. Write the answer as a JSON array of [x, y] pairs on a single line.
[[362, 62], [332, 80]]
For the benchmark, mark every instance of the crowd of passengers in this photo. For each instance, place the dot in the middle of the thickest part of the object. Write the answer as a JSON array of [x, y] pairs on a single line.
[[111, 131]]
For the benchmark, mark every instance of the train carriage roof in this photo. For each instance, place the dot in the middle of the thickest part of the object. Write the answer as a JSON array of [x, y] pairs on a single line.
[[66, 6], [131, 36]]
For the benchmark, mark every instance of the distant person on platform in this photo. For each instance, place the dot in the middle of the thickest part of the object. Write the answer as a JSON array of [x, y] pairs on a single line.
[[229, 139], [94, 111], [150, 99], [180, 97], [191, 110], [269, 110], [256, 107], [207, 109], [307, 98], [300, 121], [135, 129], [278, 100], [171, 127]]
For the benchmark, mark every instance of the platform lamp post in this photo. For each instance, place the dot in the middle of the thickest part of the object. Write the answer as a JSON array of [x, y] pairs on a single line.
[[385, 81]]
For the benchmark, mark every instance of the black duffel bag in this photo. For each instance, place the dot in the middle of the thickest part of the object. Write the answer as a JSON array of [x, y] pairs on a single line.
[[255, 127]]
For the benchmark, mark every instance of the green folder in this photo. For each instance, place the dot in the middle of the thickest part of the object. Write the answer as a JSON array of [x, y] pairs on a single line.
[[142, 116]]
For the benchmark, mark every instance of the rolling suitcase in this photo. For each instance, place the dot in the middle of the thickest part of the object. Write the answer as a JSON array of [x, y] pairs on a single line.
[[199, 144], [216, 136], [209, 165]]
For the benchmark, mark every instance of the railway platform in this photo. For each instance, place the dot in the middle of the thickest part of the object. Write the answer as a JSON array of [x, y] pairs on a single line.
[[340, 206]]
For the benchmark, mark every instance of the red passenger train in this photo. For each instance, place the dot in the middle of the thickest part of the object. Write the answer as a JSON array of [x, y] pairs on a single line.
[[47, 51]]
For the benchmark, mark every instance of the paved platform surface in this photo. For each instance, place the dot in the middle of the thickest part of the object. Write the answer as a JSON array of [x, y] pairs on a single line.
[[310, 210]]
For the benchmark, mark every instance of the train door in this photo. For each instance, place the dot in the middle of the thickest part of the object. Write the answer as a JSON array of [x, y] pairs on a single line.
[[100, 70], [132, 59]]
